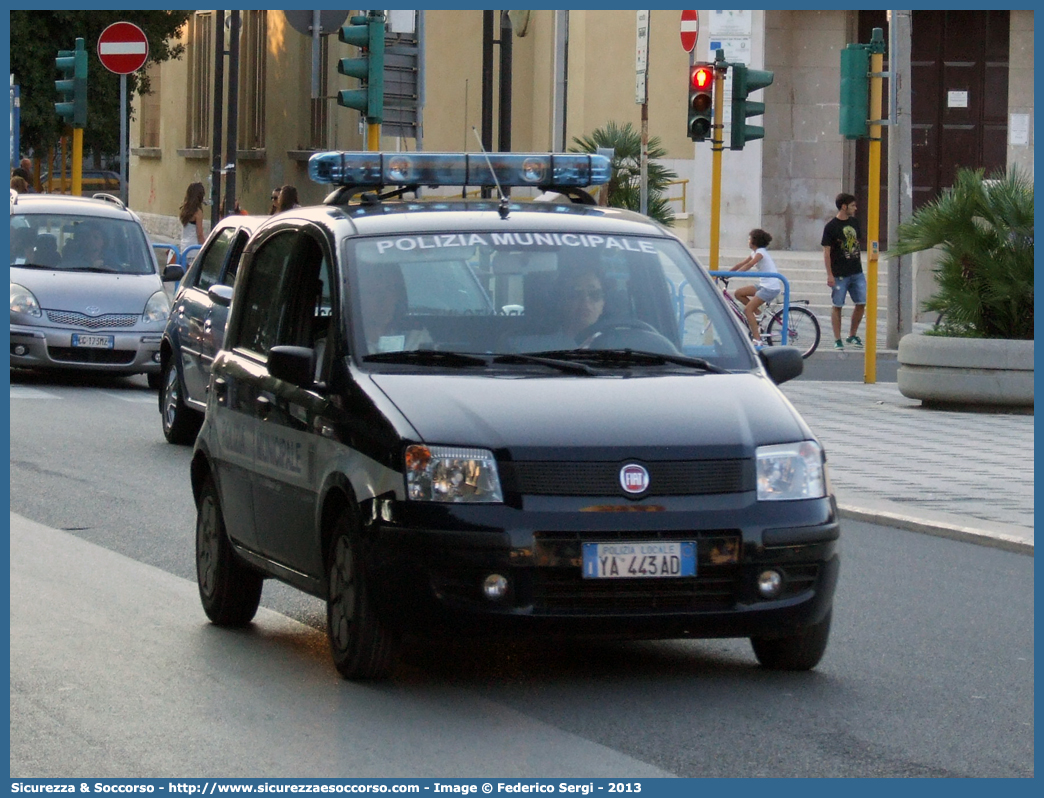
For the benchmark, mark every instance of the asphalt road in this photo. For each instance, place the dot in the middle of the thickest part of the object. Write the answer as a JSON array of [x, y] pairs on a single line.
[[929, 670]]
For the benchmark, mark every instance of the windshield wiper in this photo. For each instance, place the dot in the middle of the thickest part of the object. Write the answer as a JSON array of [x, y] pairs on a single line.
[[555, 363], [428, 357], [621, 357]]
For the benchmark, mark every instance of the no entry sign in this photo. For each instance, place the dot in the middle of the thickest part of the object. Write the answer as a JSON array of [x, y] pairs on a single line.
[[690, 29], [123, 48]]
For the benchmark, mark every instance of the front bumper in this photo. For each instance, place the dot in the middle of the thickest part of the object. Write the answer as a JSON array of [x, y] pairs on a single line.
[[134, 351], [429, 565]]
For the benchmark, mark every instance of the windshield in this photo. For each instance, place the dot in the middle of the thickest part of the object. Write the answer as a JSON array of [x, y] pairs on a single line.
[[532, 293], [79, 243]]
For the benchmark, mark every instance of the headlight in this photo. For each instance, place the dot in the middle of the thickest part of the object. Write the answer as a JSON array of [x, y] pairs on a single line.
[[157, 308], [449, 474], [23, 301], [789, 471]]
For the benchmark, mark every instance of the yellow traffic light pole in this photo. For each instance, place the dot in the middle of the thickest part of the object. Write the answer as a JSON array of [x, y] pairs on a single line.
[[717, 145], [77, 162], [873, 200]]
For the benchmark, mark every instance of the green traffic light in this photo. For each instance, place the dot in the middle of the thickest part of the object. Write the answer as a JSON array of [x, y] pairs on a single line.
[[855, 92], [366, 32], [72, 88], [744, 81]]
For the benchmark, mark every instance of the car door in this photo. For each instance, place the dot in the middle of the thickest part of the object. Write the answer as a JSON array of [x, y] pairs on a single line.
[[193, 308], [290, 416], [212, 333], [239, 398]]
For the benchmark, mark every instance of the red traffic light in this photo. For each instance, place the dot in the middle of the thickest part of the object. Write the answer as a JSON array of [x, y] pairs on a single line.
[[702, 78]]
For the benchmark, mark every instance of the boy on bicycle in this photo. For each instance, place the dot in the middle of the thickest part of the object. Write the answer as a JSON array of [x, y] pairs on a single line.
[[767, 289]]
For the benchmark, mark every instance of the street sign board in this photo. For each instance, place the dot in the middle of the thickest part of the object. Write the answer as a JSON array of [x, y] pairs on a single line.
[[641, 57], [690, 29], [123, 48]]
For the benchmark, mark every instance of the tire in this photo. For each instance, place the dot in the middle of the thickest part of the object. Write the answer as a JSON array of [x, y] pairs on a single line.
[[229, 589], [800, 652], [155, 380], [803, 331], [362, 645], [180, 422]]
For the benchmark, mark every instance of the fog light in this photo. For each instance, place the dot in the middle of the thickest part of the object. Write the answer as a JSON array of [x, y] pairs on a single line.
[[155, 357], [21, 350], [495, 587], [770, 583]]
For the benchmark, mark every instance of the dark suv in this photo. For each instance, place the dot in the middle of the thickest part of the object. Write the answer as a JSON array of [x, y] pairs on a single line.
[[488, 418], [196, 327]]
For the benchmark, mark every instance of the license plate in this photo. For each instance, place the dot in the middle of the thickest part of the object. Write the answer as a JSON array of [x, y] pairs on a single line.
[[93, 341], [639, 560]]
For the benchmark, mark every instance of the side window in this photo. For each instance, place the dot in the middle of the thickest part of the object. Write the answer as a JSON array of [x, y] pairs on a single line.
[[213, 259], [264, 301], [229, 277]]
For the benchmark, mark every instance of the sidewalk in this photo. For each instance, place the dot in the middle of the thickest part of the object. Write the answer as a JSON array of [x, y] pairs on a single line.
[[961, 475]]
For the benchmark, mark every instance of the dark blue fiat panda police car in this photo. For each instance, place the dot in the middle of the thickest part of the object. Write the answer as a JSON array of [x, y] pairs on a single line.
[[503, 417]]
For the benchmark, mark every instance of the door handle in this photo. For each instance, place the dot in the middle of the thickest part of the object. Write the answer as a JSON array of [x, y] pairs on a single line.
[[208, 325], [264, 406], [220, 389]]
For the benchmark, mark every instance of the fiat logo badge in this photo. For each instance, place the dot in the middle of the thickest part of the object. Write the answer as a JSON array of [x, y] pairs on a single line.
[[634, 478]]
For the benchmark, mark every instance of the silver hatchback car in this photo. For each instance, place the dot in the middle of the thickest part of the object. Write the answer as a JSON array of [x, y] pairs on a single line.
[[86, 289]]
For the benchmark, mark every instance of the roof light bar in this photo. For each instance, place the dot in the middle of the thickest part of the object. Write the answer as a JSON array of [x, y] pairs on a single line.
[[541, 169]]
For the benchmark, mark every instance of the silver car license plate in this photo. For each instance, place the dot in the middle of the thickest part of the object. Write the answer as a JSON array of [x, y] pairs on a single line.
[[93, 341]]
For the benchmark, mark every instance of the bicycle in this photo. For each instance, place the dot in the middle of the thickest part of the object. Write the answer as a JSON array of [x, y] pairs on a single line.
[[803, 329]]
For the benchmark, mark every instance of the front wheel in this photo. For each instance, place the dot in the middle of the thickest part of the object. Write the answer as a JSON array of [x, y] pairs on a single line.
[[180, 422], [800, 652], [229, 589], [802, 330], [362, 644]]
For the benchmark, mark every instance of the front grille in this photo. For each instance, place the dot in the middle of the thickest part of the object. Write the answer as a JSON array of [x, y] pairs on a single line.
[[561, 589], [68, 318], [677, 478], [68, 354]]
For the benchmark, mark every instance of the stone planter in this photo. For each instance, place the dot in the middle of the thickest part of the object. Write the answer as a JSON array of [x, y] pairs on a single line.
[[966, 371]]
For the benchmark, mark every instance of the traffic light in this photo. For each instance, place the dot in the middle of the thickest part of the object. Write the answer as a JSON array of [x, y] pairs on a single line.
[[366, 32], [744, 81], [701, 101], [72, 88], [855, 92]]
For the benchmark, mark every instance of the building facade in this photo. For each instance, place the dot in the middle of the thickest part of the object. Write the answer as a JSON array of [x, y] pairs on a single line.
[[573, 72]]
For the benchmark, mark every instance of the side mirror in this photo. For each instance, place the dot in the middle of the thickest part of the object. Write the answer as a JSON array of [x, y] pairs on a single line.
[[173, 272], [782, 363], [293, 364], [220, 295]]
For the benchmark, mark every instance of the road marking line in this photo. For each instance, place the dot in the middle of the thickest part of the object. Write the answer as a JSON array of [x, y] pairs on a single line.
[[19, 392], [131, 397]]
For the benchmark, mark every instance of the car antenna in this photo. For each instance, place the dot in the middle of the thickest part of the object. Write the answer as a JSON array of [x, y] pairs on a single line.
[[502, 209]]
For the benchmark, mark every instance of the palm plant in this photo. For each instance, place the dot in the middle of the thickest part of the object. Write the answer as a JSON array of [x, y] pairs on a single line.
[[985, 276], [625, 182]]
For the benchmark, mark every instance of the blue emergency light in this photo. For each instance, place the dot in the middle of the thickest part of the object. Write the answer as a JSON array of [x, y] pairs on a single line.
[[540, 170]]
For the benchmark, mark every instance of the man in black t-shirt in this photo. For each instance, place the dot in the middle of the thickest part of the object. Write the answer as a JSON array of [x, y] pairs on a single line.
[[844, 268]]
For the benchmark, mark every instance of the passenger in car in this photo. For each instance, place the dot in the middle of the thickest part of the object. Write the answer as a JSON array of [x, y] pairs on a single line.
[[88, 250], [22, 239], [384, 303]]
